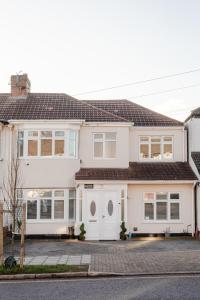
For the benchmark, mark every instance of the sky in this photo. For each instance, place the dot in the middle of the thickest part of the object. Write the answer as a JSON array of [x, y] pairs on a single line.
[[78, 46]]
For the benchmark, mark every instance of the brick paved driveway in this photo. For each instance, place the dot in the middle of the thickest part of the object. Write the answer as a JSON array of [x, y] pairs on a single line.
[[149, 256]]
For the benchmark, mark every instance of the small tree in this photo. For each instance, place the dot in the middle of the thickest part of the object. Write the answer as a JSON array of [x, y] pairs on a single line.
[[123, 232], [82, 232], [12, 189]]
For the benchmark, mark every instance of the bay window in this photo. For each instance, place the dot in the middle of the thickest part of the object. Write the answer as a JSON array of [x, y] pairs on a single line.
[[104, 145], [47, 143], [161, 206], [156, 147]]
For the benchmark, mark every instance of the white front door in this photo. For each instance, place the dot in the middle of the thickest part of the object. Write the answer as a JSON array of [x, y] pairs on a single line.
[[103, 215]]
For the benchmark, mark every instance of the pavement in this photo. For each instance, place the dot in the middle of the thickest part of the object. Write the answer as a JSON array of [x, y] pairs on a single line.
[[131, 257], [57, 260]]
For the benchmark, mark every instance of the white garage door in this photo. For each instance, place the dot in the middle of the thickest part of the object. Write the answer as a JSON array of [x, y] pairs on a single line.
[[102, 213]]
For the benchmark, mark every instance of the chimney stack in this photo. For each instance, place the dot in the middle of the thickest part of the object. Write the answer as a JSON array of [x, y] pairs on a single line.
[[20, 85]]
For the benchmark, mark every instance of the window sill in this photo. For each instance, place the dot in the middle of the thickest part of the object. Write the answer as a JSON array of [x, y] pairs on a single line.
[[45, 221], [47, 157], [162, 222]]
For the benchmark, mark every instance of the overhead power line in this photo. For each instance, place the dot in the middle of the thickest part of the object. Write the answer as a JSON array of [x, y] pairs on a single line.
[[165, 91], [139, 82]]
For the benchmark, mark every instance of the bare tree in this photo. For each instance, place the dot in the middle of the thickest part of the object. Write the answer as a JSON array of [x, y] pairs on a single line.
[[12, 190]]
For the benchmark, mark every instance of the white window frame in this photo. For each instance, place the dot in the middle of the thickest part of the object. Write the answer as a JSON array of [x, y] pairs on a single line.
[[104, 140], [162, 143], [168, 201], [53, 198], [54, 138]]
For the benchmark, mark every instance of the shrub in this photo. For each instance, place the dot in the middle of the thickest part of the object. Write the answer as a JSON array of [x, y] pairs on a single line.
[[82, 232], [123, 232]]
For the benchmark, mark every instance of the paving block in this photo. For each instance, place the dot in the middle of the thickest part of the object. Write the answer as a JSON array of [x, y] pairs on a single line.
[[63, 259], [51, 260], [86, 259], [74, 260], [38, 260]]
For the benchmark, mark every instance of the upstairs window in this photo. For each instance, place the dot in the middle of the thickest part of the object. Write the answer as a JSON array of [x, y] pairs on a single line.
[[156, 148], [34, 143], [105, 145]]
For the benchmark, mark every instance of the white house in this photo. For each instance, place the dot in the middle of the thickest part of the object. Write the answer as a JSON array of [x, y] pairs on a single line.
[[97, 163], [193, 126]]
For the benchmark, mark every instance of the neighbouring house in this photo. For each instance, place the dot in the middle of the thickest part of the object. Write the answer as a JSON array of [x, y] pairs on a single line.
[[98, 163], [193, 125]]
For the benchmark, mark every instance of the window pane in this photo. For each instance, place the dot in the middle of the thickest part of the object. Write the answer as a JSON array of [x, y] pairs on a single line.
[[110, 135], [72, 194], [32, 133], [98, 136], [110, 149], [167, 139], [72, 209], [98, 149], [59, 193], [144, 151], [161, 196], [167, 149], [45, 194], [32, 209], [46, 134], [46, 147], [155, 151], [20, 143], [149, 211], [59, 209], [144, 139], [174, 211], [20, 135], [59, 133], [149, 196], [45, 209], [155, 139], [174, 196], [59, 147], [161, 210], [72, 147], [32, 147], [20, 147]]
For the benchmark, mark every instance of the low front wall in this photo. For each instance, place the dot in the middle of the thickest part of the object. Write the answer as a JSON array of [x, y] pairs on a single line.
[[135, 217], [58, 228]]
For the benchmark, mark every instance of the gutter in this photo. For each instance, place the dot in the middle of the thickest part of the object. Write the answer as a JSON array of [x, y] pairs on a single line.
[[4, 122]]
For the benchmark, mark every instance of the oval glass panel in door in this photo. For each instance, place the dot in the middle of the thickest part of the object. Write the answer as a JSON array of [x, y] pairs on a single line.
[[110, 208], [93, 208]]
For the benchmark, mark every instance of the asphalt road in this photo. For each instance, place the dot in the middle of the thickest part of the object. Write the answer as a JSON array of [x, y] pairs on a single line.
[[187, 287]]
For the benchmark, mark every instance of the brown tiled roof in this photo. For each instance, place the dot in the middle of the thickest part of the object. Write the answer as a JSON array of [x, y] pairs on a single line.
[[194, 114], [196, 159], [133, 112], [38, 106], [140, 172]]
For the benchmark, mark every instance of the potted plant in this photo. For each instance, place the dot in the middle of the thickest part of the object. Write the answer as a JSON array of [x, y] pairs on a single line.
[[82, 232], [123, 236]]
